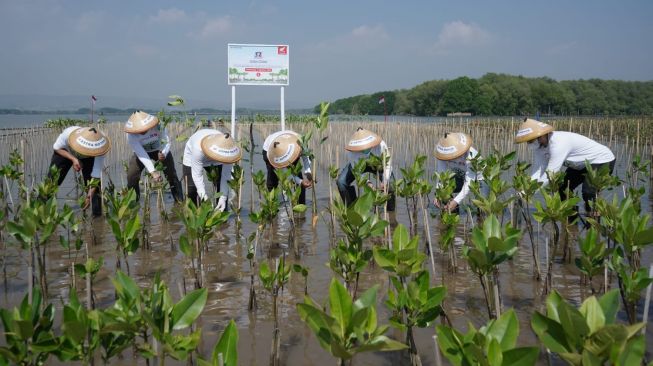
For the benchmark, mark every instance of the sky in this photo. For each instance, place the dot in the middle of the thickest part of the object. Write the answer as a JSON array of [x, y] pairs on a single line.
[[146, 50]]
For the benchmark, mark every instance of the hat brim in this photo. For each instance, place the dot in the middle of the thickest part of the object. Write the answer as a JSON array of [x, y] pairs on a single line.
[[137, 128], [528, 134], [294, 155], [363, 144], [224, 156]]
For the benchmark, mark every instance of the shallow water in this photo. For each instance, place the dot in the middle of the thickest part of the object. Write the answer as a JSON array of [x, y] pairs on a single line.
[[228, 276]]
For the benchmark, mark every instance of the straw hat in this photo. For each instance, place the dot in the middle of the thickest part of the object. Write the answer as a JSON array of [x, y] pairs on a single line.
[[140, 122], [532, 129], [221, 148], [88, 141], [362, 139], [284, 150], [452, 145]]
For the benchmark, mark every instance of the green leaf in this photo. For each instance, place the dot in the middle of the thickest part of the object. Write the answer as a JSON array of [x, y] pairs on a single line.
[[521, 356], [227, 346], [400, 237], [550, 333], [494, 354], [300, 208], [593, 314], [188, 309], [610, 304], [505, 330], [341, 305]]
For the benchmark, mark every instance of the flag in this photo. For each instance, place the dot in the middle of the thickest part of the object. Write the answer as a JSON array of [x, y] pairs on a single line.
[[382, 99], [93, 99]]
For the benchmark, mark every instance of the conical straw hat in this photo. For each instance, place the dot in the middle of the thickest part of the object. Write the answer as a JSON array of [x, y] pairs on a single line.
[[284, 150], [532, 129], [140, 122], [452, 145], [221, 148], [362, 139], [89, 142]]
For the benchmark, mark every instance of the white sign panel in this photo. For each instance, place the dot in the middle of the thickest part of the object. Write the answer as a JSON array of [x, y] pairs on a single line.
[[258, 64]]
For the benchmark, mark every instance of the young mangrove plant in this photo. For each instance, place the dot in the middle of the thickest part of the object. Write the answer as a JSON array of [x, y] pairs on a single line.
[[554, 211], [413, 302], [125, 223], [350, 327], [264, 217], [589, 335], [637, 175], [526, 189], [236, 184], [493, 344], [274, 280], [492, 245], [358, 223], [593, 256], [492, 167], [29, 337], [293, 208], [298, 268], [631, 284], [410, 187], [199, 222], [444, 187]]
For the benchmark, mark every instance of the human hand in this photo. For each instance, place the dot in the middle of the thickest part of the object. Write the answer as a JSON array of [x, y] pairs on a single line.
[[222, 204], [307, 183], [161, 156], [156, 176], [451, 205], [77, 165], [87, 200], [437, 203]]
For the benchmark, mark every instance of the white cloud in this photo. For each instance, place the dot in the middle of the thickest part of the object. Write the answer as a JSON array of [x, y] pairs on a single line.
[[460, 34], [215, 27], [370, 32], [172, 15]]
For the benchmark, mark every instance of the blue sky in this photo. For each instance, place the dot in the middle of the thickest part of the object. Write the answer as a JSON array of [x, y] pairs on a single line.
[[151, 49]]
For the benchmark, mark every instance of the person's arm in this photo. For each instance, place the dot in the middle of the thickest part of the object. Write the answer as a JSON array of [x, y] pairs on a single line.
[[464, 191], [539, 163], [224, 178], [557, 155], [387, 169], [306, 165], [165, 138], [66, 154], [98, 164], [140, 152], [196, 171]]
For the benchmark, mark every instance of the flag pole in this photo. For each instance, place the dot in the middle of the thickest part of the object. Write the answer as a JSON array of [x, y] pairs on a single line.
[[92, 108], [385, 111]]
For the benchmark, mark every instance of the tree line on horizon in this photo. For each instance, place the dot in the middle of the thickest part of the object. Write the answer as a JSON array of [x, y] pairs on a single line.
[[506, 95]]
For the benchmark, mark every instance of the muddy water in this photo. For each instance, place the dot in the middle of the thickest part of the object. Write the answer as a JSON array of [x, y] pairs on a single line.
[[228, 272]]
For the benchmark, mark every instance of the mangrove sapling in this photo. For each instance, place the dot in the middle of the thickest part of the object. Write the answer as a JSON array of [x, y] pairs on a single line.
[[265, 216], [601, 180], [444, 187], [34, 225], [492, 245], [291, 190], [125, 223], [492, 168], [631, 284], [637, 175], [72, 226], [258, 180], [410, 187], [298, 268], [81, 335], [333, 174], [163, 317], [320, 124], [526, 189], [412, 300], [554, 211], [632, 232], [251, 257], [274, 280], [358, 223], [199, 222], [493, 344], [236, 184], [29, 337], [594, 254], [589, 335], [350, 327], [225, 352]]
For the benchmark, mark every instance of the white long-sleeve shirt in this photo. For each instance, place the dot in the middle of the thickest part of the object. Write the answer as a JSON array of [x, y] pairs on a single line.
[[306, 162], [354, 156], [461, 165], [570, 149], [151, 140], [195, 158], [62, 143]]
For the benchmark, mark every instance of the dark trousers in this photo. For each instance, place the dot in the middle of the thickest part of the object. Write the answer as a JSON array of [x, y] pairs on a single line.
[[216, 171], [575, 177], [136, 168], [272, 181], [348, 192], [64, 165]]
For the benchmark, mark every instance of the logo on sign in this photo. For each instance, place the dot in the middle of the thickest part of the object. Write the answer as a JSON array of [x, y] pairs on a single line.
[[258, 54], [282, 50]]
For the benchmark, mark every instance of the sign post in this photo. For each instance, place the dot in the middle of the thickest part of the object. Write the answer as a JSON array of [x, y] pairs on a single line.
[[257, 64]]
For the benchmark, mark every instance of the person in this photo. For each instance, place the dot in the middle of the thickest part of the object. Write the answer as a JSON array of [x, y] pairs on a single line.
[[213, 151], [151, 144], [454, 152], [553, 149], [281, 150], [361, 145], [83, 149]]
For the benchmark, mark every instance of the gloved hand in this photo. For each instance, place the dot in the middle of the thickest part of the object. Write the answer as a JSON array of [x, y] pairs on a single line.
[[222, 204]]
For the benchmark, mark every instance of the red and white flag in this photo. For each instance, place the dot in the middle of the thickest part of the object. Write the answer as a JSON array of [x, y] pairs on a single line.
[[93, 99], [382, 100]]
